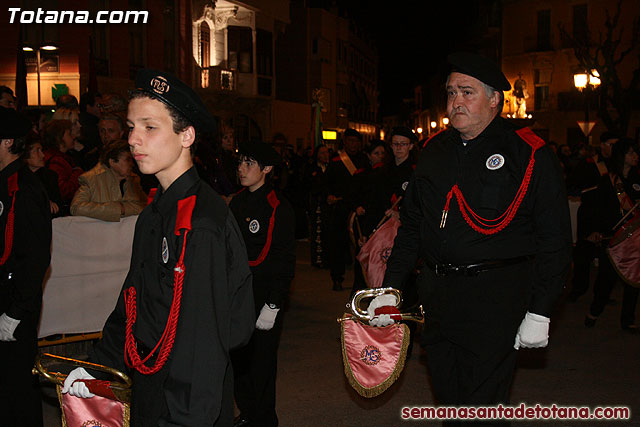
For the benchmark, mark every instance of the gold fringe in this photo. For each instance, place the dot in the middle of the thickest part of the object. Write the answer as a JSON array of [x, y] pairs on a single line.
[[382, 387], [126, 412]]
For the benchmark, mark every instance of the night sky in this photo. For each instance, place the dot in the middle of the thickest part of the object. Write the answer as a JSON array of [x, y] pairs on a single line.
[[413, 38]]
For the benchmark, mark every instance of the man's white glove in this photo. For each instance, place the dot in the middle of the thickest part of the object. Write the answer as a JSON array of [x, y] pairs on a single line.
[[533, 331], [8, 326], [267, 318], [77, 388], [381, 301]]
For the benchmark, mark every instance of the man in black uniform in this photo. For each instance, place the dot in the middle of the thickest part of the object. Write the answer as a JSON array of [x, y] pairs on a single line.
[[341, 183], [267, 223], [189, 282], [25, 241], [487, 212]]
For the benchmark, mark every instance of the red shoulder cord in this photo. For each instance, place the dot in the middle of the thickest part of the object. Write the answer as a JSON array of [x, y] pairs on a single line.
[[493, 226], [165, 343], [12, 188], [273, 202]]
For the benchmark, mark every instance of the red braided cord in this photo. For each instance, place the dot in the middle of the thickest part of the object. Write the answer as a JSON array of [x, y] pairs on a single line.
[[505, 218], [8, 230], [131, 356]]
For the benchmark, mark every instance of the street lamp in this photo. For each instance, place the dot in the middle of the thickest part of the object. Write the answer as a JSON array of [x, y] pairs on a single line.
[[47, 47], [586, 82]]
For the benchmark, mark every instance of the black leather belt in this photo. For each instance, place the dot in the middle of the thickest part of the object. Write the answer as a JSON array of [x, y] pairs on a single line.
[[442, 270]]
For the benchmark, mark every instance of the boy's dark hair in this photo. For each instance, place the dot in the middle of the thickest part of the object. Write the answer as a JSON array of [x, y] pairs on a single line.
[[113, 150], [28, 141], [180, 122], [243, 156]]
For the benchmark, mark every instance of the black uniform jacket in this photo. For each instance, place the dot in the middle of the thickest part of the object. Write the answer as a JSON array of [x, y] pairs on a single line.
[[253, 212], [216, 313], [540, 228], [341, 183], [24, 270]]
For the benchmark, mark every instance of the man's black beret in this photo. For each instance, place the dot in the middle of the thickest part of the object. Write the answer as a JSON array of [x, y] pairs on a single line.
[[172, 91], [260, 151], [353, 132], [607, 135], [480, 67], [404, 131], [13, 124]]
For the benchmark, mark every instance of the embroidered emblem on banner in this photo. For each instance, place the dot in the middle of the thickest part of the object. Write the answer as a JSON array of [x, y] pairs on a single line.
[[254, 226], [385, 254], [165, 250], [636, 187], [1, 208], [404, 185], [92, 423], [371, 355], [159, 85], [495, 161]]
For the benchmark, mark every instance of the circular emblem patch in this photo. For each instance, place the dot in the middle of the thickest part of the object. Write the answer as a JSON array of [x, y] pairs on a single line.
[[165, 250], [495, 161], [636, 187], [254, 226], [1, 208], [385, 253], [404, 185], [92, 423], [371, 355]]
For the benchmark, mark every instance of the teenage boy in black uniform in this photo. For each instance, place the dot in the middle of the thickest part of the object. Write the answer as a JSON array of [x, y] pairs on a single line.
[[267, 223], [25, 242], [189, 282]]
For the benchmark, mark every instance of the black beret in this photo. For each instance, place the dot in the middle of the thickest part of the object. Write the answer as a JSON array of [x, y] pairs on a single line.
[[352, 132], [607, 135], [480, 67], [404, 131], [13, 124], [260, 151], [175, 93]]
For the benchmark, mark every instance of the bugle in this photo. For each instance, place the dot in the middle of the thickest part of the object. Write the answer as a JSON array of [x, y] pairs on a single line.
[[359, 313]]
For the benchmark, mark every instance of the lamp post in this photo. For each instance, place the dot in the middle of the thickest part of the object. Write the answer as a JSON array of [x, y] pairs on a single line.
[[586, 82], [47, 47]]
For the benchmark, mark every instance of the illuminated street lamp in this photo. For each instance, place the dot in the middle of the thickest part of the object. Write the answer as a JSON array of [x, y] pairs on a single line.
[[445, 121], [48, 47], [419, 130], [585, 83]]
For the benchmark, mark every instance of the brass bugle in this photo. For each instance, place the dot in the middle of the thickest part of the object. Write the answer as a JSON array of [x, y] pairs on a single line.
[[358, 313], [121, 388]]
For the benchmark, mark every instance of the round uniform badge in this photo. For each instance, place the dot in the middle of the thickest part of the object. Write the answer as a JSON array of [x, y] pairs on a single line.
[[1, 208], [254, 226], [495, 161], [636, 187], [405, 185], [165, 250]]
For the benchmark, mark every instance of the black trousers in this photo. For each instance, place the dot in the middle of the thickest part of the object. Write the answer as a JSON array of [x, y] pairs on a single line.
[[20, 399], [338, 241], [461, 377], [583, 254], [606, 279], [254, 370]]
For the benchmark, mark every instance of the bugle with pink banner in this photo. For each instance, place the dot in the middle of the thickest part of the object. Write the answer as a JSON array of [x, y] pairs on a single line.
[[375, 252], [373, 357], [110, 405]]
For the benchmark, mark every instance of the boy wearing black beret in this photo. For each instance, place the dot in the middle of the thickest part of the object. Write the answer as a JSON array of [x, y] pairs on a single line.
[[187, 298], [267, 224]]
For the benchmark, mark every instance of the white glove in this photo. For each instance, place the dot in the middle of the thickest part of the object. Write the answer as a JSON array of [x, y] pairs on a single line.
[[77, 388], [8, 326], [377, 302], [533, 331], [267, 318]]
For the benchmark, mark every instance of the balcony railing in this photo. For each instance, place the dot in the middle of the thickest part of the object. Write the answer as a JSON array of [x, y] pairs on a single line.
[[218, 78]]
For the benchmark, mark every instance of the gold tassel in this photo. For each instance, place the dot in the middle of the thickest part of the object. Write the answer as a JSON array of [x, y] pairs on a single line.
[[380, 388]]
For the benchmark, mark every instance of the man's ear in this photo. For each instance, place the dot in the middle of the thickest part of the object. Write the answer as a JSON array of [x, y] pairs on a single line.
[[494, 100], [188, 137], [7, 143], [267, 169]]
